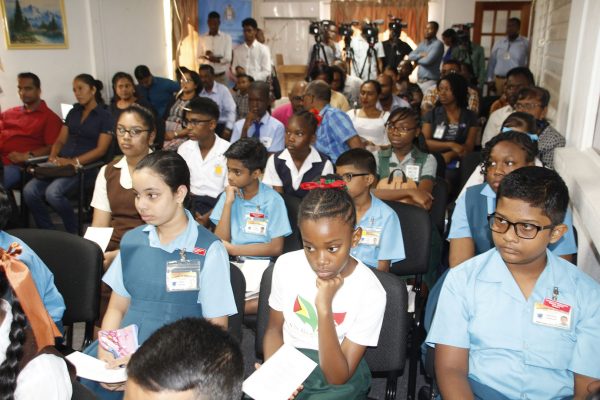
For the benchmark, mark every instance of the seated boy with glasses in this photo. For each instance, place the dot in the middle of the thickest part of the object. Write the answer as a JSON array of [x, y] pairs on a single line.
[[517, 321], [203, 154]]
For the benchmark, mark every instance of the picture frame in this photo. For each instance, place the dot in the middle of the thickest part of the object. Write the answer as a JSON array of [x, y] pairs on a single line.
[[34, 24]]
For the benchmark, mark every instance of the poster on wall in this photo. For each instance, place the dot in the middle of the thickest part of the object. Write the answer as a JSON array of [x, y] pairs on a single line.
[[232, 12], [34, 24]]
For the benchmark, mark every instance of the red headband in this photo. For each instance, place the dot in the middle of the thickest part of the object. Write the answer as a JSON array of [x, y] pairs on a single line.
[[322, 184]]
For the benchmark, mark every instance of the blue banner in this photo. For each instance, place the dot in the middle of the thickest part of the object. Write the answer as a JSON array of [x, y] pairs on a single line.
[[232, 12]]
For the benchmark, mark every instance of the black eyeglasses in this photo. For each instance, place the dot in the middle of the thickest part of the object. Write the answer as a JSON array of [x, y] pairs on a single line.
[[133, 132], [348, 177], [297, 98], [194, 122], [524, 230]]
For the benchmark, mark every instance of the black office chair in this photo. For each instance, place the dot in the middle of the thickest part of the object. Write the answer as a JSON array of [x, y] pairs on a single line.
[[294, 240], [389, 357], [468, 164], [77, 267], [438, 206], [238, 284]]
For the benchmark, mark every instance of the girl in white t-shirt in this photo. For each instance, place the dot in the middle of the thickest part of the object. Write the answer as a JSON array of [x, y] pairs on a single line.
[[323, 301]]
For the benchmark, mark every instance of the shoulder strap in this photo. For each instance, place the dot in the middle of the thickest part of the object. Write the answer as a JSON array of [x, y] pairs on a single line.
[[384, 162]]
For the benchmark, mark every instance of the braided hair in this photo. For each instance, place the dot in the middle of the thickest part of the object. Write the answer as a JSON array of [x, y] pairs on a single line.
[[328, 203], [401, 113], [520, 139]]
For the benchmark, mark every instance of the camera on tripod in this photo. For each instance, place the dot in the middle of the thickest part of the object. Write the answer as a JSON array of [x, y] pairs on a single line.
[[463, 32], [395, 26], [371, 32], [318, 28]]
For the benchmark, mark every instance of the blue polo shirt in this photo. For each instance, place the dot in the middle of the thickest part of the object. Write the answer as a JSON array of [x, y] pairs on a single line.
[[482, 309], [83, 136], [380, 218], [267, 202], [159, 94]]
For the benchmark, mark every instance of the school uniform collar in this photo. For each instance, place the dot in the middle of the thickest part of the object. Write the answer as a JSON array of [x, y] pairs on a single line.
[[374, 212], [258, 197], [186, 239], [488, 192], [212, 150], [265, 119], [313, 157], [125, 176]]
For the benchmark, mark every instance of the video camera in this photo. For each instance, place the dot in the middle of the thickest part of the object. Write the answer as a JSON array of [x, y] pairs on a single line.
[[317, 28], [463, 32], [371, 32], [396, 26]]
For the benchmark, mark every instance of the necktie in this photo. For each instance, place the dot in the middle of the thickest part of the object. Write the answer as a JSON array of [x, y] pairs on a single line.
[[257, 126]]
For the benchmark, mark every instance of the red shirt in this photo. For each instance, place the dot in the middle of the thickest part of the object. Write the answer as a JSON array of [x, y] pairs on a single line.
[[22, 130]]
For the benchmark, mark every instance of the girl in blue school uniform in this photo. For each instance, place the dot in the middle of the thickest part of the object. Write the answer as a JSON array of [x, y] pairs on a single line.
[[250, 217], [325, 302], [381, 242], [147, 279], [518, 322]]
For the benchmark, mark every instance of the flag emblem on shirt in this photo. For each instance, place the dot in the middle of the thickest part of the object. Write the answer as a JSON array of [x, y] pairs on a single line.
[[199, 251], [307, 313]]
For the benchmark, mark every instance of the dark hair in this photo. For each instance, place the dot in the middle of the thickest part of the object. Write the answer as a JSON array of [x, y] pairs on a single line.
[[460, 89], [141, 72], [5, 208], [193, 74], [362, 159], [523, 71], [146, 115], [520, 139], [375, 84], [118, 76], [251, 79], [435, 25], [190, 354], [214, 14], [321, 90], [522, 119], [202, 105], [401, 113], [328, 203], [321, 69], [30, 75], [337, 70], [92, 82], [207, 68], [536, 92], [450, 34], [515, 20], [452, 61], [262, 88], [308, 118], [250, 22], [390, 68], [250, 151], [539, 187], [170, 166]]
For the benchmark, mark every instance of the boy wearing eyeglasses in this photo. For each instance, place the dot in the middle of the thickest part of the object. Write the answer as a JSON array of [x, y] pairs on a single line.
[[518, 322], [381, 241], [203, 154]]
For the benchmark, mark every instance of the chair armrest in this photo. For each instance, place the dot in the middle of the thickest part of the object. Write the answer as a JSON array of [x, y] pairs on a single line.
[[36, 160], [95, 164]]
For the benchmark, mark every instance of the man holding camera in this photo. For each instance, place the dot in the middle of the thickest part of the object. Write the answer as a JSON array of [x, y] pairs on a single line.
[[368, 53], [428, 56], [394, 48], [328, 50]]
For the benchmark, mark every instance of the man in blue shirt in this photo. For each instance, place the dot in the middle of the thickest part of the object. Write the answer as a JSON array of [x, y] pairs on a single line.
[[158, 91], [428, 56], [336, 133], [221, 95]]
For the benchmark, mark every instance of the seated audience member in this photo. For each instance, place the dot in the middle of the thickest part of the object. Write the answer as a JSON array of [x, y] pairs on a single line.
[[30, 367], [335, 133], [203, 154], [142, 291], [251, 57], [221, 95], [324, 73], [381, 241], [534, 101], [114, 199], [209, 366], [431, 97], [325, 302], [392, 73], [259, 123], [351, 88], [285, 111], [469, 232], [403, 128], [405, 70], [42, 277], [338, 81], [84, 138], [240, 95], [388, 101], [26, 131], [517, 321], [175, 132], [516, 79], [300, 161], [414, 95], [158, 91], [250, 217], [368, 120]]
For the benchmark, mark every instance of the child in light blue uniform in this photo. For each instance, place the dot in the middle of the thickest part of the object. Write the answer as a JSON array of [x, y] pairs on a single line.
[[518, 321], [381, 242]]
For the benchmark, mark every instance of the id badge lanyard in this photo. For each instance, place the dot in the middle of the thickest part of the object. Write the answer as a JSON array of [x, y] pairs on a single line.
[[552, 312], [183, 275]]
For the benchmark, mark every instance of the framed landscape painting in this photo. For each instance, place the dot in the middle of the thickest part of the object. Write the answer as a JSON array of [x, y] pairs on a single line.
[[34, 24]]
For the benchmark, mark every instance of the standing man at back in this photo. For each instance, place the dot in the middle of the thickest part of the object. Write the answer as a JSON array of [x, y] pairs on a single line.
[[214, 47], [428, 56], [508, 53], [158, 91], [26, 131], [251, 57]]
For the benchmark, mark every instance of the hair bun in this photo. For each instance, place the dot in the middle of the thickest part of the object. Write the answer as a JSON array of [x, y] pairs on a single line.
[[98, 83]]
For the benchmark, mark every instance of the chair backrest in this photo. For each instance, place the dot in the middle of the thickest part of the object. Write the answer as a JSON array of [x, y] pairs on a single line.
[[293, 241], [416, 232], [468, 164], [262, 315], [77, 267], [438, 206], [238, 284]]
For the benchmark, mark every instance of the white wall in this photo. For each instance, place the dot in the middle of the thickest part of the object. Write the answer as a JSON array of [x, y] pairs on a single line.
[[105, 36]]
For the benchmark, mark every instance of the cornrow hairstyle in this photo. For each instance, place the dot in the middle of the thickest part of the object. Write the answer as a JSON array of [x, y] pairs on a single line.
[[9, 369], [308, 119], [520, 139], [146, 115], [402, 113], [328, 203]]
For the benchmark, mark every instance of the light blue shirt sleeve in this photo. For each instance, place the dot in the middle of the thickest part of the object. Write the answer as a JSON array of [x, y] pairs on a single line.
[[278, 143], [434, 54], [391, 246], [229, 109], [587, 352], [237, 131], [114, 277], [216, 294], [416, 53], [215, 215], [566, 244], [459, 228], [279, 223]]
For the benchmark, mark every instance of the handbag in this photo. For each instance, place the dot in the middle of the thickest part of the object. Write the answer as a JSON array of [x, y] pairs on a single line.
[[275, 85], [43, 171], [397, 181]]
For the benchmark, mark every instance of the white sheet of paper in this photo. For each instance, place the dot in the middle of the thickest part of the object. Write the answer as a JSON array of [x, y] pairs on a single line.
[[280, 375], [91, 368], [253, 272], [64, 109], [101, 236]]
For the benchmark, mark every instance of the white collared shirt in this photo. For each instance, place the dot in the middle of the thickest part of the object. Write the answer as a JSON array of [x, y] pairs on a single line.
[[100, 197], [271, 177], [208, 176], [220, 45], [255, 59]]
